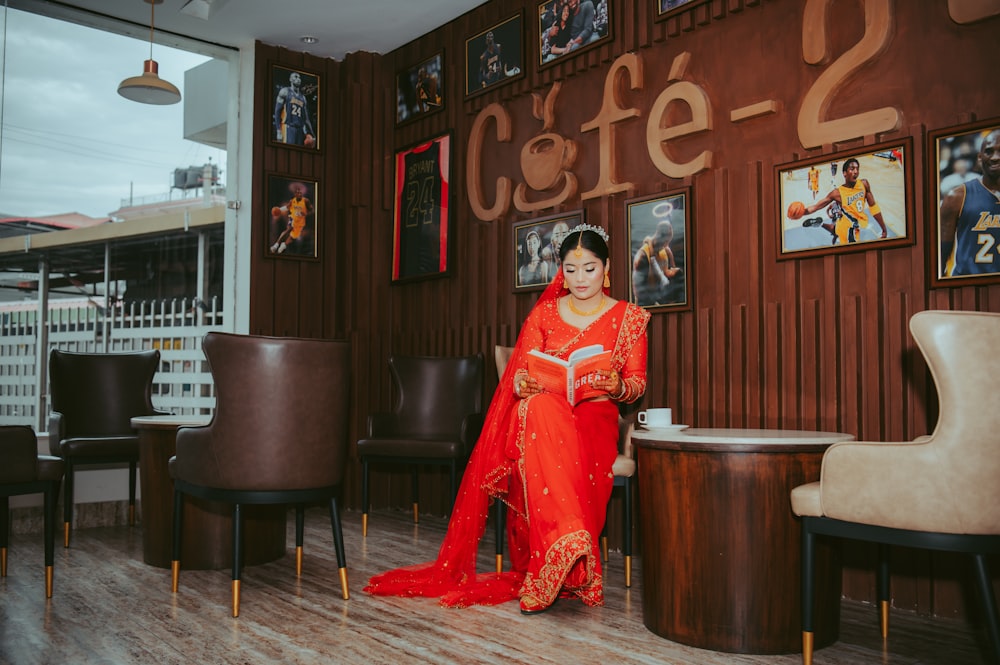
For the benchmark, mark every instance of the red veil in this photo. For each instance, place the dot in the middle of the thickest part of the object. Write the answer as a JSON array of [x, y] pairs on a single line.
[[452, 576]]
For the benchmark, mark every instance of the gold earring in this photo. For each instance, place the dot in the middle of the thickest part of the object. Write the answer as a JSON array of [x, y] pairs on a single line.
[[565, 285], [607, 282]]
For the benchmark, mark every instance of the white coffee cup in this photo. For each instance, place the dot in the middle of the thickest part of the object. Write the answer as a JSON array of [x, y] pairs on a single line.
[[656, 418]]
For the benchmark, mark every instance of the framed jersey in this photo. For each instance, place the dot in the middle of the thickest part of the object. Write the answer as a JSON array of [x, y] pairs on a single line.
[[294, 116], [963, 204], [844, 202], [421, 213]]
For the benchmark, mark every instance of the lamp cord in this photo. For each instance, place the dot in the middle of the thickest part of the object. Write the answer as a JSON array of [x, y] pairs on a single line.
[[152, 16]]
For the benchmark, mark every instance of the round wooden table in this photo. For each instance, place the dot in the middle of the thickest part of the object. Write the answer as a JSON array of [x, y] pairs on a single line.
[[207, 540], [721, 548]]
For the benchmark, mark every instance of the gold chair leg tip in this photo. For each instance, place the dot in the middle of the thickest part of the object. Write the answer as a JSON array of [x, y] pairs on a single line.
[[807, 648], [343, 584], [883, 618]]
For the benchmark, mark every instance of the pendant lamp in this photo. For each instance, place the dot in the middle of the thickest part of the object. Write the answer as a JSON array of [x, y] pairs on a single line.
[[149, 88]]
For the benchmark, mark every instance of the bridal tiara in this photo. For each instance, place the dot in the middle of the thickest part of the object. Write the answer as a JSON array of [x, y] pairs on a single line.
[[588, 227]]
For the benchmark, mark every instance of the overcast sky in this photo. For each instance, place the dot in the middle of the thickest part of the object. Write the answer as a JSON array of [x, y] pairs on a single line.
[[69, 142]]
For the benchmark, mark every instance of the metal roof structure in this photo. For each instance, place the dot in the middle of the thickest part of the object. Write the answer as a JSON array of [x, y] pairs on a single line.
[[76, 257]]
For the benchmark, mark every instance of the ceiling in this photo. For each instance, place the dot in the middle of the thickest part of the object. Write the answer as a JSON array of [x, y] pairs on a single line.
[[341, 26]]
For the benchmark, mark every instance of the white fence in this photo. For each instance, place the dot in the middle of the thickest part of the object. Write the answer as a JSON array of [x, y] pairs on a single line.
[[183, 384]]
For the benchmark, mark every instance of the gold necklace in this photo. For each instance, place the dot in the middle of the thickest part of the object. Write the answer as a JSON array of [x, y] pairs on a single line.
[[578, 312]]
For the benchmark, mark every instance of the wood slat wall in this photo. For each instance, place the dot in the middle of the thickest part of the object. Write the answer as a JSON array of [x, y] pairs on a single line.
[[814, 343]]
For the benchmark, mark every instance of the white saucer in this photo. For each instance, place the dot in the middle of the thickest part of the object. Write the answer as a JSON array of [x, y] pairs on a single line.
[[664, 428]]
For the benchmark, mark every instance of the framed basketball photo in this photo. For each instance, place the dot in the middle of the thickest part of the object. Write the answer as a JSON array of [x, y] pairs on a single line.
[[294, 120], [291, 228], [536, 248], [494, 56], [569, 27], [845, 202], [962, 205], [420, 89], [659, 232]]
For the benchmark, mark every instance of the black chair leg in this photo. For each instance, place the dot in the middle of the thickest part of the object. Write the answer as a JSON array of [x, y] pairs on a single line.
[[131, 494], [4, 533], [500, 520], [67, 501], [237, 555], [48, 524], [990, 615], [300, 520], [364, 497], [453, 470], [808, 551], [882, 578], [627, 536], [415, 484], [338, 545], [178, 529]]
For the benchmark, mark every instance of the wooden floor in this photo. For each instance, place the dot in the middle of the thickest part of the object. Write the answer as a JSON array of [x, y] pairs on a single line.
[[109, 607]]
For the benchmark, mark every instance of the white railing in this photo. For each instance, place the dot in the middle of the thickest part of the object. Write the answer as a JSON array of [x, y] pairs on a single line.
[[183, 384]]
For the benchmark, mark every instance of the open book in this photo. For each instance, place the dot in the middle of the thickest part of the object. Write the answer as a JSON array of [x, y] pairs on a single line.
[[572, 377]]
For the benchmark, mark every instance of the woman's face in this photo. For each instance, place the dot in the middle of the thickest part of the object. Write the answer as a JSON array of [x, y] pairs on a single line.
[[533, 243], [584, 274]]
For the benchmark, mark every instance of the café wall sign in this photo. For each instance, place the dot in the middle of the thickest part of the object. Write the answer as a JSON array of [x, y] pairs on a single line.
[[547, 160]]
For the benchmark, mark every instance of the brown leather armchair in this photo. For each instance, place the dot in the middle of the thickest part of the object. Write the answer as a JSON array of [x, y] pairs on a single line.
[[938, 492], [278, 436], [94, 398], [437, 418], [24, 471]]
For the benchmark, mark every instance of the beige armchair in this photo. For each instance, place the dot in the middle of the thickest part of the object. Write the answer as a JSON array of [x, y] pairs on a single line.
[[937, 492]]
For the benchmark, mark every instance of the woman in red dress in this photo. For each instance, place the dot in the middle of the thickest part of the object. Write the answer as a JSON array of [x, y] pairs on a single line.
[[547, 460]]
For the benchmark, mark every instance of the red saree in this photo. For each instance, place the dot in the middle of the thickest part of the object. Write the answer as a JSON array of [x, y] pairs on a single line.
[[549, 462]]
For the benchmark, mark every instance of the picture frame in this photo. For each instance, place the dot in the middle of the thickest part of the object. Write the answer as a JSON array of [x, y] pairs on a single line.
[[829, 223], [963, 225], [660, 279], [668, 8], [291, 218], [420, 89], [495, 56], [294, 121], [535, 266], [559, 37], [421, 211]]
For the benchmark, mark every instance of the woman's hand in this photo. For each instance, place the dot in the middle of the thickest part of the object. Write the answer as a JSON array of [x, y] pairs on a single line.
[[610, 382], [526, 386]]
